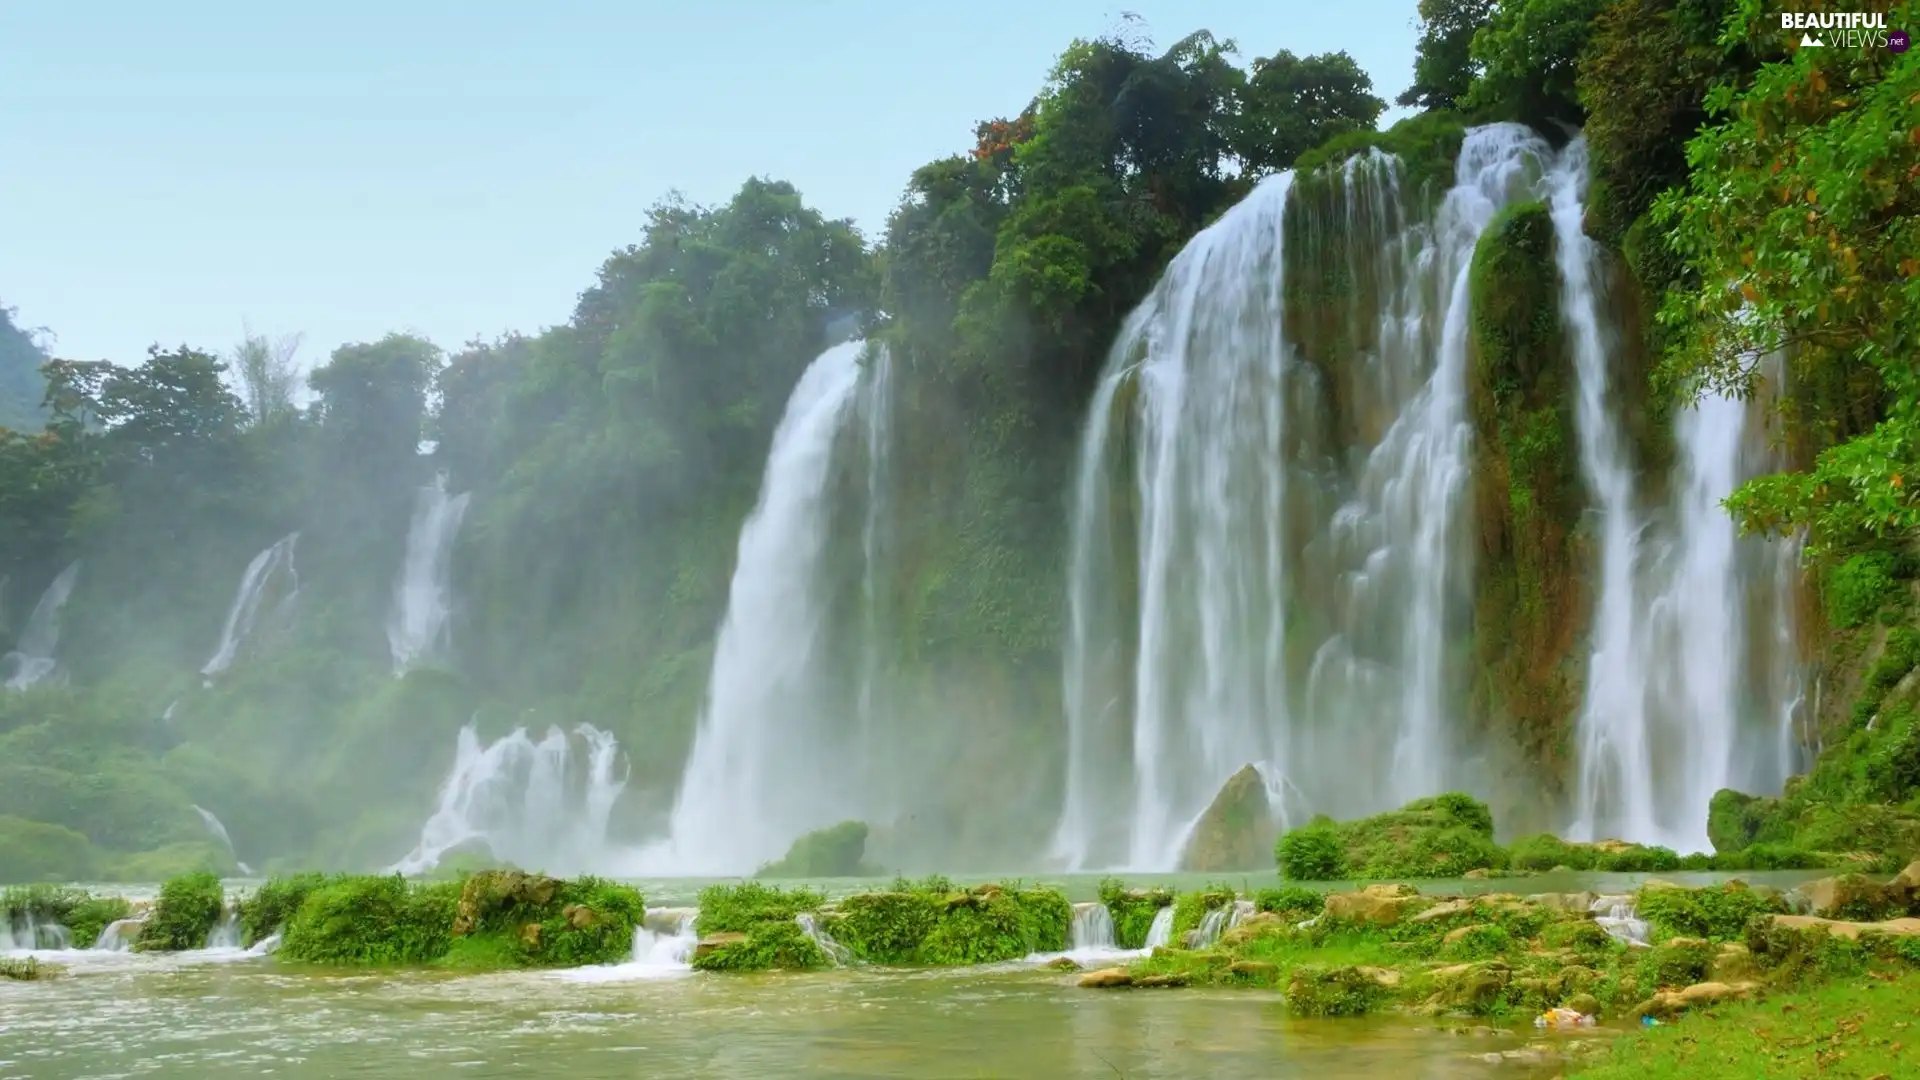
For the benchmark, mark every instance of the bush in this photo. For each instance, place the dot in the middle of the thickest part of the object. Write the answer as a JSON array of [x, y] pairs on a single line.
[[1313, 853], [832, 852], [738, 908], [767, 946], [1717, 913], [1133, 911], [1545, 851], [1293, 902], [188, 909], [507, 918], [371, 920], [33, 851], [1857, 588], [273, 905]]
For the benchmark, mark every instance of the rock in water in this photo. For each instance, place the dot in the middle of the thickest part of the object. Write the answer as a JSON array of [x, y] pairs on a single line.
[[1238, 830]]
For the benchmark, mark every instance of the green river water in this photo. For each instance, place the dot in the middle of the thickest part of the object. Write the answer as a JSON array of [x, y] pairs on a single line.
[[226, 1014]]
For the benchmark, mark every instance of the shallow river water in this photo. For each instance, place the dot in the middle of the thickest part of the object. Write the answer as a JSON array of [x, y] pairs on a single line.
[[224, 1013]]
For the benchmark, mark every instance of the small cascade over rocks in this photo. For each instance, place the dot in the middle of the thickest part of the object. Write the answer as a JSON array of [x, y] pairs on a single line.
[[32, 660], [663, 946], [809, 924], [1268, 562], [422, 596], [23, 933], [266, 596], [220, 831], [1693, 680], [1618, 916], [226, 933], [772, 755], [1092, 928], [119, 935], [1160, 931], [541, 804]]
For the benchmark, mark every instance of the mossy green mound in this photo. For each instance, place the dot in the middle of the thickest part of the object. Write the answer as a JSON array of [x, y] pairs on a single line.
[[838, 851], [1133, 910], [497, 919], [188, 909], [1444, 836], [1545, 851]]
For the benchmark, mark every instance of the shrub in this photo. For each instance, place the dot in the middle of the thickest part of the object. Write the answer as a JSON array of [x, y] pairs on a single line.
[[1293, 901], [273, 904], [372, 920], [188, 909], [837, 851], [1857, 588], [738, 908], [1312, 853]]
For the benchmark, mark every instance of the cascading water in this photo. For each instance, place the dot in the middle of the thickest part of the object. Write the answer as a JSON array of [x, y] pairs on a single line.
[[1091, 928], [422, 597], [1673, 711], [219, 830], [1160, 931], [877, 405], [1241, 590], [766, 762], [534, 805], [271, 570], [32, 660]]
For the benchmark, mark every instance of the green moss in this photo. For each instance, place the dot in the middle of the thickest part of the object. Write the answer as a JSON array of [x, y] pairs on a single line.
[[1715, 913], [33, 851], [738, 908], [186, 912], [510, 918], [1443, 836], [359, 921], [1293, 902], [1333, 991], [1857, 588], [889, 927], [1133, 910], [273, 904], [767, 946], [1427, 145], [837, 851]]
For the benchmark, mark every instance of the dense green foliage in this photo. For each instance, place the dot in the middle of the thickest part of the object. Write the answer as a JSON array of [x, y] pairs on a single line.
[[21, 387], [354, 921], [836, 851], [1444, 836], [184, 915]]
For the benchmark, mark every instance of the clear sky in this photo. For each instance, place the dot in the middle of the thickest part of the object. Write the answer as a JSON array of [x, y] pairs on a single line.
[[347, 168]]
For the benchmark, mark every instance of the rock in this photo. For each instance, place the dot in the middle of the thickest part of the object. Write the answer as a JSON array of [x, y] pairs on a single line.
[[1254, 926], [1584, 1004], [1444, 909], [1375, 905], [1575, 978], [1467, 985], [1258, 969], [580, 916], [714, 942], [1854, 896], [1910, 877], [493, 891], [1064, 963], [1237, 831], [1574, 903], [1850, 930], [1673, 1002], [1478, 873], [1341, 991], [1385, 978], [1460, 933], [1107, 978], [1734, 963], [1169, 979], [530, 935]]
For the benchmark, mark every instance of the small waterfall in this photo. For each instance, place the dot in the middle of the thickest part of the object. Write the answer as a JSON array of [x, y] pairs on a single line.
[[1675, 708], [1160, 931], [534, 805], [1211, 927], [32, 660], [266, 946], [220, 831], [23, 933], [766, 765], [1267, 560], [1092, 928], [809, 924], [226, 933], [119, 935], [875, 733], [1620, 919], [422, 598], [262, 576], [662, 948]]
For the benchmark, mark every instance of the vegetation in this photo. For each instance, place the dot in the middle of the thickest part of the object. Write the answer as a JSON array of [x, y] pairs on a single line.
[[1445, 836], [185, 914], [837, 851]]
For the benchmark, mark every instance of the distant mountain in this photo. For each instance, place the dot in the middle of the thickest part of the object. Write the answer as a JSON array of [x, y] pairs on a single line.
[[21, 385]]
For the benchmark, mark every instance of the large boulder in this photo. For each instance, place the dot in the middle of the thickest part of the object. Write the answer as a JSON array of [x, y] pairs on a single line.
[[1238, 830], [1375, 905]]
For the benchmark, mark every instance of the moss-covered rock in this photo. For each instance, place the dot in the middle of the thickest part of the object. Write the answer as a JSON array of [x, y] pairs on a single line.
[[1238, 829], [510, 918], [1348, 990], [838, 851], [1443, 836], [183, 916], [766, 946], [1714, 913], [357, 921], [1529, 601], [1133, 910]]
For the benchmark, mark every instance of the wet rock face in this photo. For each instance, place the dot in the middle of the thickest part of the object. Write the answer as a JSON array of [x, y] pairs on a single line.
[[1107, 979], [1237, 832], [1375, 905], [712, 943]]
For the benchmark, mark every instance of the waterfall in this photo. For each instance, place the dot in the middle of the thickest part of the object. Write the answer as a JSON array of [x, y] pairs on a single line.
[[1160, 931], [1618, 916], [220, 831], [766, 765], [226, 933], [1673, 709], [1092, 927], [877, 405], [120, 934], [1241, 588], [534, 805], [32, 661], [809, 924], [416, 625], [242, 615]]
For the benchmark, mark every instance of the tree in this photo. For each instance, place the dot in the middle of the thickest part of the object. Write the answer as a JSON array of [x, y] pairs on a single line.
[[1529, 53], [267, 373], [1293, 104], [1800, 226], [1443, 63], [21, 385]]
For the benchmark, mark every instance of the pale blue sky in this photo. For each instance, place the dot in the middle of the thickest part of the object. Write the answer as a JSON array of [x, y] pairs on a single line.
[[347, 168]]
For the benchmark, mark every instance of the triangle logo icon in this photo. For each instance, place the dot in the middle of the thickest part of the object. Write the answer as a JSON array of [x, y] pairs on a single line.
[[1808, 41]]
